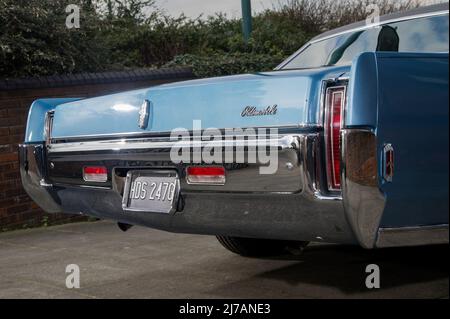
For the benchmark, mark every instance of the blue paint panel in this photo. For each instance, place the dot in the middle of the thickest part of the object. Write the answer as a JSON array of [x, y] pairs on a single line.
[[414, 117], [36, 118], [217, 102], [362, 106]]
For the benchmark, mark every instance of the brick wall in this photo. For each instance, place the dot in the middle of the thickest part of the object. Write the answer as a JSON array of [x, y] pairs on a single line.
[[16, 95]]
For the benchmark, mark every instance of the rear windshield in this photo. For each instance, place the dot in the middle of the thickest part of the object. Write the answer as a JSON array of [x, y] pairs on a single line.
[[430, 34]]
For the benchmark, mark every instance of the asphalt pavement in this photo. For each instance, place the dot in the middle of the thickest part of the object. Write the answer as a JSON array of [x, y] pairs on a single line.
[[146, 263]]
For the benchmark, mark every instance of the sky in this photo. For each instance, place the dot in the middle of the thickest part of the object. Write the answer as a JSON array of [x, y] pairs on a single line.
[[193, 8]]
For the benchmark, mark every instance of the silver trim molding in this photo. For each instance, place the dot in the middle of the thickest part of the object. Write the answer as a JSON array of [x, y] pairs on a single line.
[[412, 236], [149, 134], [48, 124], [388, 175], [284, 142]]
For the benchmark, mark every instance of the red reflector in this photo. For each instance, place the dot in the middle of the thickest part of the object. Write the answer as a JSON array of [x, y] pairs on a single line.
[[388, 159], [204, 175], [97, 174], [335, 103]]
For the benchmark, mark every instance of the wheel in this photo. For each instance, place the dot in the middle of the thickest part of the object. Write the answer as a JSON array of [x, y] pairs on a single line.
[[250, 247]]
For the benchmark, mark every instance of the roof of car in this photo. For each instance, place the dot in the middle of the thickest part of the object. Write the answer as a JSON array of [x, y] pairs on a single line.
[[393, 16]]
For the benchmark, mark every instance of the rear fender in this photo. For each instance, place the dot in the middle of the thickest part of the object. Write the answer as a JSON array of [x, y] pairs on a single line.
[[397, 101]]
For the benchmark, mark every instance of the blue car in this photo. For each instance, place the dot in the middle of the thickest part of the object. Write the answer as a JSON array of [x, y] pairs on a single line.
[[345, 142]]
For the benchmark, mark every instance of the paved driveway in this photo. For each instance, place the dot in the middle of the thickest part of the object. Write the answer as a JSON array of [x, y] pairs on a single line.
[[145, 263]]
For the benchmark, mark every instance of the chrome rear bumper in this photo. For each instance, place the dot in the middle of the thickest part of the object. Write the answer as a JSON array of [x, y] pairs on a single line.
[[292, 204]]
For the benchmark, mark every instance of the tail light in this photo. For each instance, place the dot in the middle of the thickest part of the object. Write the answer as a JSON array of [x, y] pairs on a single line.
[[205, 175], [97, 174], [335, 100]]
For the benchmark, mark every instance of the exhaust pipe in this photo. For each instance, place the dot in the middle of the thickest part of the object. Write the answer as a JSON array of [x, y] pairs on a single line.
[[124, 227]]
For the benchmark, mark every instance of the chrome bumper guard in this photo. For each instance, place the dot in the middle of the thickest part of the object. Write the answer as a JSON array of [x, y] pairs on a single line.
[[300, 209]]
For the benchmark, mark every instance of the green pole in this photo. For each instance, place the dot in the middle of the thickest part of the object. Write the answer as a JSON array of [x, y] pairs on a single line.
[[246, 19]]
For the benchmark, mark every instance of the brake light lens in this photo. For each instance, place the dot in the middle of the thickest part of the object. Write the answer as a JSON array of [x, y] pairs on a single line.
[[335, 101], [97, 174], [205, 175]]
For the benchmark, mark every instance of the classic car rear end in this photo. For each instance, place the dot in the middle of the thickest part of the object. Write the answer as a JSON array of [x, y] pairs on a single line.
[[352, 149]]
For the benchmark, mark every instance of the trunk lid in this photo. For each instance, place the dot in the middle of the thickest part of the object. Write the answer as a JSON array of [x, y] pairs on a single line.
[[257, 100]]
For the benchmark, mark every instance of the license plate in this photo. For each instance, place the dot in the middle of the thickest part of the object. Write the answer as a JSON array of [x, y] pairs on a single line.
[[152, 192]]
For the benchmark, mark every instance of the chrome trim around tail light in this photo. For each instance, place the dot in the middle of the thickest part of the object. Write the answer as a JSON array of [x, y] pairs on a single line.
[[206, 175], [388, 163], [333, 176]]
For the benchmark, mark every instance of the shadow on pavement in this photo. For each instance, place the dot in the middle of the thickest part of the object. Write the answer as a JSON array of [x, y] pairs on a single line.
[[343, 267]]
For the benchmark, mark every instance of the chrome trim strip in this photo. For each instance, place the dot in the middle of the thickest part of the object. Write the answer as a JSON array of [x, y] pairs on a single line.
[[44, 184], [48, 124], [144, 114], [388, 177], [381, 23], [284, 142], [412, 236], [323, 89], [82, 186], [80, 138], [280, 66], [365, 27]]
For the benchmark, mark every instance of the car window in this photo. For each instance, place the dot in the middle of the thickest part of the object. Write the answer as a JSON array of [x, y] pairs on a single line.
[[423, 35], [429, 34]]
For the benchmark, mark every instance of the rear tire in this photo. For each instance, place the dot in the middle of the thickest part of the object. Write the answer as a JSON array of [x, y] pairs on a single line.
[[250, 247]]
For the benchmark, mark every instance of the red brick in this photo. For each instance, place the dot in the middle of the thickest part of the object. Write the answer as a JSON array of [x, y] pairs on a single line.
[[12, 139], [6, 167], [7, 104], [11, 157], [3, 113], [4, 131], [14, 130], [11, 175], [23, 111], [6, 148], [10, 121], [7, 221], [17, 208], [9, 185], [12, 192]]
